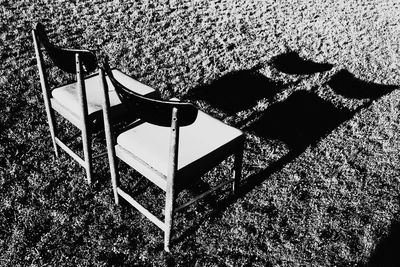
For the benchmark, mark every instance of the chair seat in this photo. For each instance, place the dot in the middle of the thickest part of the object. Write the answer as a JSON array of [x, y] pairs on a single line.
[[65, 99], [204, 143]]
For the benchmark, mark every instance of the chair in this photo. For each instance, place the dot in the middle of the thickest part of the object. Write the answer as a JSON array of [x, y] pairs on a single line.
[[172, 144], [78, 102]]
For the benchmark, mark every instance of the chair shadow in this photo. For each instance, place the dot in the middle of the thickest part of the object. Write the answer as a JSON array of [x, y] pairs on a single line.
[[387, 251], [346, 84], [237, 91], [301, 120], [292, 63]]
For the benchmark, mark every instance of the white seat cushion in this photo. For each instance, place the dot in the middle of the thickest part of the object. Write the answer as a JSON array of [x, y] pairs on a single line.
[[67, 96], [150, 143]]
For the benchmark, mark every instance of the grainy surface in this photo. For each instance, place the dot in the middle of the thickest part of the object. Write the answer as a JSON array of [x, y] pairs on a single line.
[[322, 153]]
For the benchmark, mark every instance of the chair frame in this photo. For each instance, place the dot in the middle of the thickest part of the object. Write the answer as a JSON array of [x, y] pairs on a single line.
[[177, 118], [72, 61]]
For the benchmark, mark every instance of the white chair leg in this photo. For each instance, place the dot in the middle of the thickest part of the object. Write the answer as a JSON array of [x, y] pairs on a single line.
[[170, 192], [46, 92], [87, 151], [114, 179], [169, 210], [52, 127], [109, 136]]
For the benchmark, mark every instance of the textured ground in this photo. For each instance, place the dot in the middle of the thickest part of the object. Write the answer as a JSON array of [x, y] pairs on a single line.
[[321, 162]]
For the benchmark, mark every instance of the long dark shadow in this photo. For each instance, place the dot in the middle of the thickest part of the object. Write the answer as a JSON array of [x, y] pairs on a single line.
[[303, 119]]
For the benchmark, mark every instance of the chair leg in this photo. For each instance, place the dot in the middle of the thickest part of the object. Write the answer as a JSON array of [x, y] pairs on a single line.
[[170, 192], [109, 136], [169, 210], [114, 178], [237, 169], [52, 127], [87, 151]]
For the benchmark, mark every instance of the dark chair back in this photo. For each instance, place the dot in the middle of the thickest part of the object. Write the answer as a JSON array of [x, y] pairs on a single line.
[[64, 58], [154, 111]]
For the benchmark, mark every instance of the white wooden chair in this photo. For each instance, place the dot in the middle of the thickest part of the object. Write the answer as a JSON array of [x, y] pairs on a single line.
[[78, 102], [172, 144]]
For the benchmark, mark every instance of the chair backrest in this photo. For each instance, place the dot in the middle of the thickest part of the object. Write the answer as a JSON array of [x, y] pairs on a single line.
[[64, 58], [154, 111]]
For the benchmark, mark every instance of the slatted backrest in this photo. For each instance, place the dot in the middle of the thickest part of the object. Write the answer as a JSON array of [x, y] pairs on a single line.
[[157, 112], [64, 58]]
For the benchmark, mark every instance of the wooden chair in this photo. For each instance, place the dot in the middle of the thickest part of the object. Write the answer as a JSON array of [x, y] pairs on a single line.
[[78, 102], [172, 144]]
